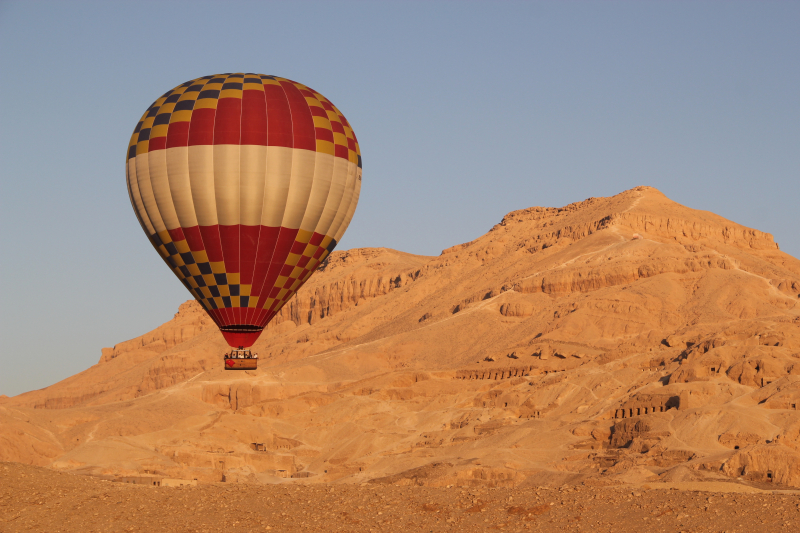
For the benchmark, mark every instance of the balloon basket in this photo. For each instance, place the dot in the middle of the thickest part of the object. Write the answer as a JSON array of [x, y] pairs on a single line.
[[241, 360]]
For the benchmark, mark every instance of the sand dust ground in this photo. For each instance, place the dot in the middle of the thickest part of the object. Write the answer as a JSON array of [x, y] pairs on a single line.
[[37, 499]]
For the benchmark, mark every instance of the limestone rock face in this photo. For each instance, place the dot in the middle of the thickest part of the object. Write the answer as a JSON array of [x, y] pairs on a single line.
[[617, 339], [189, 322], [765, 463], [360, 275]]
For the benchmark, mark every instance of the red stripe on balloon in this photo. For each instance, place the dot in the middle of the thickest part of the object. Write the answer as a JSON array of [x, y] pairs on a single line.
[[228, 123], [298, 247], [324, 134], [178, 134], [211, 240], [201, 127], [229, 238], [254, 118], [248, 244], [316, 239], [194, 238], [279, 116], [157, 143], [337, 126], [266, 244], [302, 121], [285, 239], [318, 111], [176, 234]]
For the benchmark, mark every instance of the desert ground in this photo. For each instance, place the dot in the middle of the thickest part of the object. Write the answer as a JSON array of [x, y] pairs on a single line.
[[36, 499], [610, 347]]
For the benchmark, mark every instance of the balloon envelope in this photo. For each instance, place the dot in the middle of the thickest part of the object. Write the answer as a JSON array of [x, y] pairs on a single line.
[[244, 183]]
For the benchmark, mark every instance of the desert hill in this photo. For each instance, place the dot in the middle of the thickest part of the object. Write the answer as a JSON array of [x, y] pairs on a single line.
[[622, 339]]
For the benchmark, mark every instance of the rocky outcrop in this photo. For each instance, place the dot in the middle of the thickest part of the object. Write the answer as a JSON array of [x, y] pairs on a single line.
[[243, 394], [637, 434], [739, 440], [520, 310], [765, 463], [496, 373], [308, 307], [758, 371], [646, 404], [189, 322], [679, 229], [358, 276], [612, 275]]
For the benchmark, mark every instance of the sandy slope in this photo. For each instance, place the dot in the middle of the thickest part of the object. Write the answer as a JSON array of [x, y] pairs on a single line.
[[624, 339]]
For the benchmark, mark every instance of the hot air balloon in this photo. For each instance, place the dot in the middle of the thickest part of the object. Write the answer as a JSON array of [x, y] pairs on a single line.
[[244, 183]]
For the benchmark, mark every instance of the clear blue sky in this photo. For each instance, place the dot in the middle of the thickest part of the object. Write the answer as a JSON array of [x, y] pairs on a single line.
[[464, 111]]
